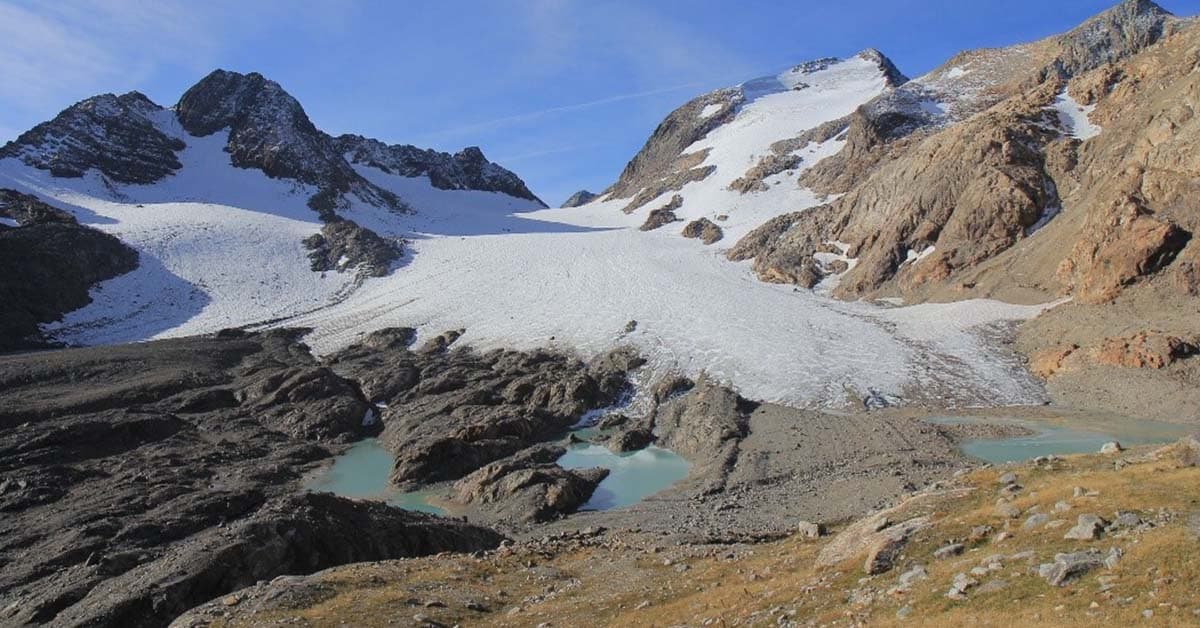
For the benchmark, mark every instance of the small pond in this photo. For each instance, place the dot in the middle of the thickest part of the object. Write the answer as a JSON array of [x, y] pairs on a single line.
[[362, 473], [632, 476], [1055, 438]]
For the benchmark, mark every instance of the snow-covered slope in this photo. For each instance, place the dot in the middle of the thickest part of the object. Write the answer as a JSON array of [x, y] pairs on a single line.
[[575, 278], [769, 116], [222, 246]]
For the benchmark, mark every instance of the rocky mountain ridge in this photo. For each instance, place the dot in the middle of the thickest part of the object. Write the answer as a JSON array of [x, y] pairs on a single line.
[[129, 139]]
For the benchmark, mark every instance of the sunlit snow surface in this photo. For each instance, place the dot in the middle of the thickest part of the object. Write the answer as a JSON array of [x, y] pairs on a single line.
[[1073, 117], [220, 247]]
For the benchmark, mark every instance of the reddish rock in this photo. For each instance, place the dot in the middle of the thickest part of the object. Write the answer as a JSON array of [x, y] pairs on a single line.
[[1146, 349], [1048, 363]]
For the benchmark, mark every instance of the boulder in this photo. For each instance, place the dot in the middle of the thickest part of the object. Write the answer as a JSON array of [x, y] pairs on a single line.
[[1068, 567], [529, 487], [809, 530], [949, 551], [704, 229], [1087, 528]]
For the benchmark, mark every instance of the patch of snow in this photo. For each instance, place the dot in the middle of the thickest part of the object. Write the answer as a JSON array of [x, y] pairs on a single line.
[[369, 418], [831, 280], [710, 110], [912, 257], [956, 72], [1073, 117], [9, 222]]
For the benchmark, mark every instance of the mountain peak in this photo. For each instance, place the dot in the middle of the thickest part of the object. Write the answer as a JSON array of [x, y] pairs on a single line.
[[893, 74], [223, 99], [113, 134], [1113, 34]]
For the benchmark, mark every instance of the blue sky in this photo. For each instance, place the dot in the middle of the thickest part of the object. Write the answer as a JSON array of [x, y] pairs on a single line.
[[561, 91]]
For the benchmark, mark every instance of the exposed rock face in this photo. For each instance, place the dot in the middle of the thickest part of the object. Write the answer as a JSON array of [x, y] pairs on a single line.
[[174, 477], [582, 197], [1114, 253], [662, 155], [529, 487], [466, 170], [973, 178], [269, 130], [50, 262], [113, 134], [343, 244], [29, 210], [662, 216], [1144, 350], [703, 228], [706, 426], [452, 412]]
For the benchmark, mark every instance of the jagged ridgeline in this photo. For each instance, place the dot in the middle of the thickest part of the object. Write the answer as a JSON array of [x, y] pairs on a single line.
[[129, 139]]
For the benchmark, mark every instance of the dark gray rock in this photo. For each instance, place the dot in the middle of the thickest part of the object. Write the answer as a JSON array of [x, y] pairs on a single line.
[[451, 412], [529, 487], [467, 169], [115, 135], [632, 439], [175, 476], [343, 244], [582, 197], [50, 263]]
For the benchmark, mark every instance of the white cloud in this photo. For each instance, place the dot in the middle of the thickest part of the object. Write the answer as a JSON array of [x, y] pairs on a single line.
[[57, 52]]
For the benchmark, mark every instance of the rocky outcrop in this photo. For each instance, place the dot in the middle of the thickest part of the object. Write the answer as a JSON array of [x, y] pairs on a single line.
[[269, 131], [704, 229], [582, 197], [467, 169], [662, 216], [1117, 249], [528, 487], [342, 244], [1153, 350], [51, 262], [175, 477], [705, 425], [452, 412], [115, 135], [662, 155]]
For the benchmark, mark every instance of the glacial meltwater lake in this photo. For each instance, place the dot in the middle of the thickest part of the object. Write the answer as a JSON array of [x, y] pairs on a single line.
[[1054, 438], [632, 476], [362, 473]]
